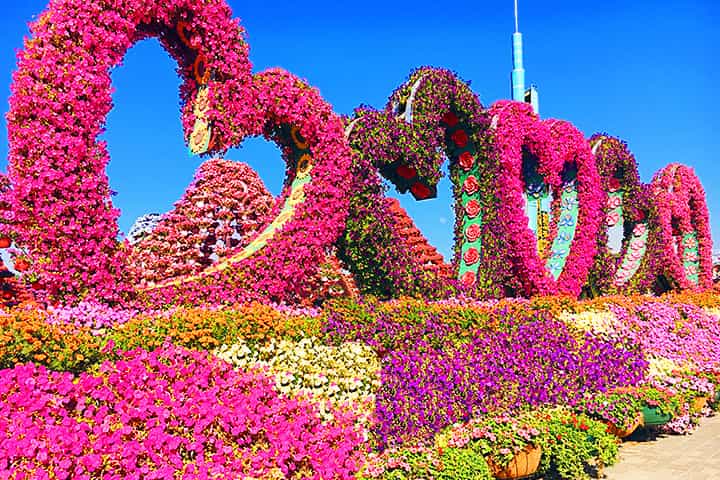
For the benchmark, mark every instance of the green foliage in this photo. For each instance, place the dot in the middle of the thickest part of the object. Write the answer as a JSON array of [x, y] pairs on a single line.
[[421, 463], [574, 446]]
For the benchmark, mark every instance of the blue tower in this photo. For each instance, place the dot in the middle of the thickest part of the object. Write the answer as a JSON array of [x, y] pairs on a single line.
[[517, 76], [518, 72]]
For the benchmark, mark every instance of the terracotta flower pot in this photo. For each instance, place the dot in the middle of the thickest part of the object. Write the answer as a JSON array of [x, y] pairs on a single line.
[[525, 463], [622, 433]]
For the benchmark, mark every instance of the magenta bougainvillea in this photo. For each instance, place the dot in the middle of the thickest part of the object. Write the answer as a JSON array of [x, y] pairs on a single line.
[[562, 162], [226, 205], [61, 95], [282, 262], [685, 256]]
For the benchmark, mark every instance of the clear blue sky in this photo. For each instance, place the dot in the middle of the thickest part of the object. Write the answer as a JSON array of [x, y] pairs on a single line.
[[640, 70]]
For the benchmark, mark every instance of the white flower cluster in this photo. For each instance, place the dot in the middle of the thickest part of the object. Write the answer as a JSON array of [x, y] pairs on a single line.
[[594, 321], [661, 367], [348, 373]]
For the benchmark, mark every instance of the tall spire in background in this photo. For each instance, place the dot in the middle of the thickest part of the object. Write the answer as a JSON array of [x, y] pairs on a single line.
[[518, 72], [519, 93]]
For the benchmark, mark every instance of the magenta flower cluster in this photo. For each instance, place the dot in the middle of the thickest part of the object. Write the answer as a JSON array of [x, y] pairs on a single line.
[[680, 207], [160, 414], [61, 95], [619, 173], [556, 145], [88, 314], [680, 332]]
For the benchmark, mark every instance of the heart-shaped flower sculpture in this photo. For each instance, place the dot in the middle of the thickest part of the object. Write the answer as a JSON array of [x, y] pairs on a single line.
[[549, 199], [431, 117], [622, 243], [60, 196], [685, 256]]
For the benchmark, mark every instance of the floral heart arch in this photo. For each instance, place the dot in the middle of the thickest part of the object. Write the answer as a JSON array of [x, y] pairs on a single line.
[[60, 199], [528, 194], [685, 243], [625, 262]]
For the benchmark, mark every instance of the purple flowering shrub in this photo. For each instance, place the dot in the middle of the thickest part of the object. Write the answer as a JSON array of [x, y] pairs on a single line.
[[425, 388], [153, 415]]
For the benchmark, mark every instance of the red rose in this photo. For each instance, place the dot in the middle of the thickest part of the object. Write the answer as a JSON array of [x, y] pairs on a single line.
[[471, 185], [472, 208], [460, 138], [450, 119], [420, 191], [472, 232], [471, 256], [21, 265], [614, 184], [614, 202], [466, 161], [612, 219], [4, 242], [406, 172], [468, 279]]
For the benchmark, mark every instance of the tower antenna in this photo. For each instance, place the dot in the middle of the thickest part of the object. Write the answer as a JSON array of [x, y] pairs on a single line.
[[518, 72]]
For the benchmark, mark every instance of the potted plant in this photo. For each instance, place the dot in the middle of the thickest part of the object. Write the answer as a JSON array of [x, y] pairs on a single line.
[[575, 446], [507, 442], [712, 376], [661, 405], [622, 412], [406, 463], [696, 389]]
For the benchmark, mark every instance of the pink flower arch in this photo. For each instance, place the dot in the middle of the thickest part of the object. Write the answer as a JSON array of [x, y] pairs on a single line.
[[61, 94], [685, 256], [283, 262], [556, 145]]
